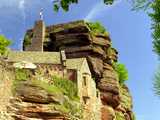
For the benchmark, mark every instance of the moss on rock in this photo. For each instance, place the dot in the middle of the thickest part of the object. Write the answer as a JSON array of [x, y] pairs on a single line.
[[126, 99], [119, 116]]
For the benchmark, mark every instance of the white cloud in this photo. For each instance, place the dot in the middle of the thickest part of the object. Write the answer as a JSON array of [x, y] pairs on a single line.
[[99, 9], [21, 4]]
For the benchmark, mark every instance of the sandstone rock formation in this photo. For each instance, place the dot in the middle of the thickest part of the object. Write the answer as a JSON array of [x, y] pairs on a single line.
[[24, 97], [78, 41]]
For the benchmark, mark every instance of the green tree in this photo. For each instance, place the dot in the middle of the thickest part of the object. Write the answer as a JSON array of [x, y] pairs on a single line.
[[136, 4], [154, 5], [157, 83], [141, 4], [64, 4], [4, 43], [155, 16]]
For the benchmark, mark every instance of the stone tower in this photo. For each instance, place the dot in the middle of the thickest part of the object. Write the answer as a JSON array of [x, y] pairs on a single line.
[[38, 37]]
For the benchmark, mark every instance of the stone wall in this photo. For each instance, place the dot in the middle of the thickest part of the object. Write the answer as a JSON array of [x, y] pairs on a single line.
[[56, 70], [88, 93], [6, 77]]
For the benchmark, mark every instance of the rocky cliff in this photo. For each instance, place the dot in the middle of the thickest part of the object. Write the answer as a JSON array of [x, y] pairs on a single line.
[[79, 40], [28, 96], [39, 101]]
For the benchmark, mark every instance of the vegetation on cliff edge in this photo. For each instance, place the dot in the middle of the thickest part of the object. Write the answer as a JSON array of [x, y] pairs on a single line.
[[57, 85], [121, 71], [4, 43], [96, 27]]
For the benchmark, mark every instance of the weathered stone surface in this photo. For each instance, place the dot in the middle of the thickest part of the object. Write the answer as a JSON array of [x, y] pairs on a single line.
[[28, 92], [110, 99], [101, 41], [78, 49], [66, 39], [76, 39], [25, 111], [107, 66], [126, 99], [99, 50], [6, 77], [78, 54], [109, 84], [107, 113], [96, 64], [114, 55], [104, 36], [110, 74], [108, 88], [72, 27]]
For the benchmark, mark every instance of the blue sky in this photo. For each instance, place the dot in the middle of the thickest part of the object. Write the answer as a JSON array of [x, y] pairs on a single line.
[[129, 30]]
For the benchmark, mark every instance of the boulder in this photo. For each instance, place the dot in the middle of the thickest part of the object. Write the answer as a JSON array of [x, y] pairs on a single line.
[[25, 111], [109, 85], [110, 99], [28, 93]]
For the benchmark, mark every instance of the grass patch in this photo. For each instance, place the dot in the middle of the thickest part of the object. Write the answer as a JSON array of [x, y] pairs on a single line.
[[58, 85], [96, 28], [49, 88], [66, 86], [20, 75]]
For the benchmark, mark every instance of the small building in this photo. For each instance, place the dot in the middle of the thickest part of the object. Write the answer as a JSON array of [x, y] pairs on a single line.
[[77, 70]]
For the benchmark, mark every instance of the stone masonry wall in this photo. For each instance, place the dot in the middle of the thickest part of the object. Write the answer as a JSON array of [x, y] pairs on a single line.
[[38, 37]]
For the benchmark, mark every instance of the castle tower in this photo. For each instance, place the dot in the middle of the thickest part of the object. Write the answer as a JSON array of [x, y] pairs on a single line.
[[38, 37]]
